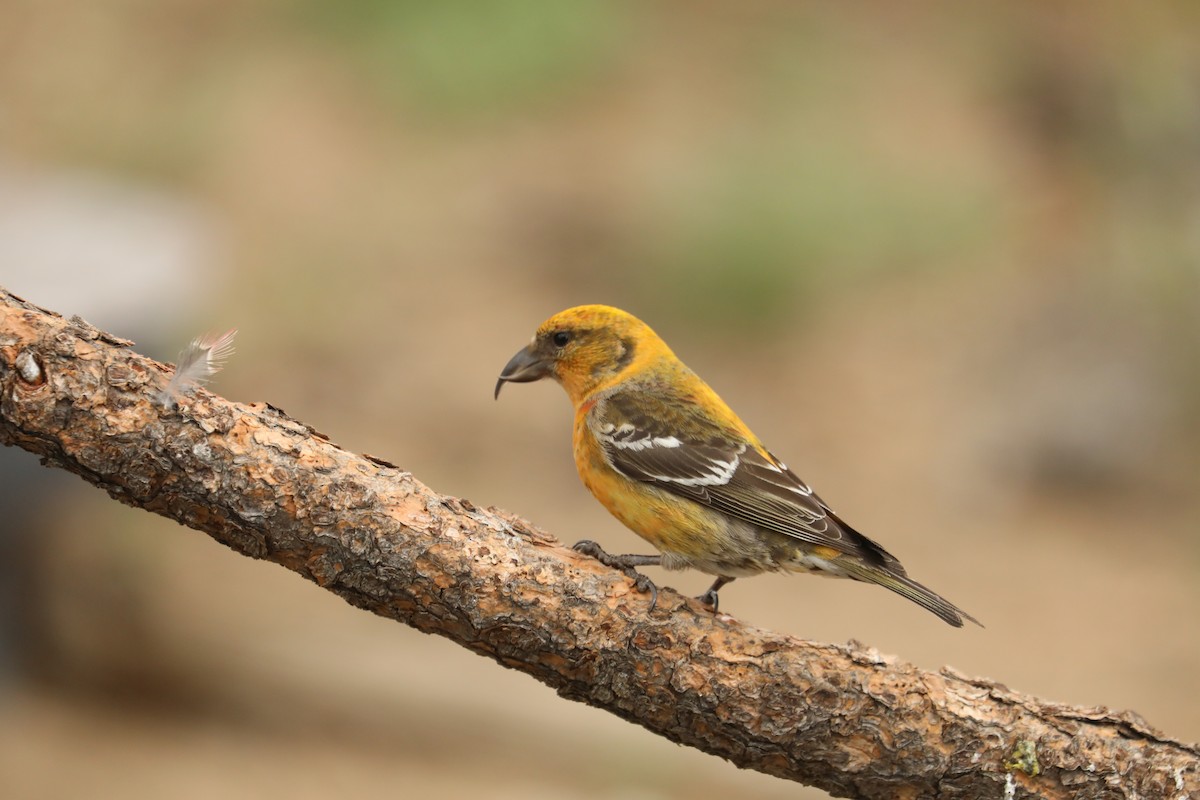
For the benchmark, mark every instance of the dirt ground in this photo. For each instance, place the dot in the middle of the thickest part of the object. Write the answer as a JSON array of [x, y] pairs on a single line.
[[942, 264]]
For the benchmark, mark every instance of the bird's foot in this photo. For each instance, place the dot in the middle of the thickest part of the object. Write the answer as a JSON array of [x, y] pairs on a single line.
[[626, 564], [709, 598]]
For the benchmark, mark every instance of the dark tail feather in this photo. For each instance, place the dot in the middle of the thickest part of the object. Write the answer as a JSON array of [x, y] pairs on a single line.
[[907, 587]]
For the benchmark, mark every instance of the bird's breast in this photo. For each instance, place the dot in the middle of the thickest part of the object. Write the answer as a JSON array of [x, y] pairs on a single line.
[[689, 533]]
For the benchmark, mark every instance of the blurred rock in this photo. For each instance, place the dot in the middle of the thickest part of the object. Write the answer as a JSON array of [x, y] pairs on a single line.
[[128, 258], [1074, 399], [131, 259]]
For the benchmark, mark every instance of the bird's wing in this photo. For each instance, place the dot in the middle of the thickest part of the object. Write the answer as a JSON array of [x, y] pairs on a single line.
[[673, 445]]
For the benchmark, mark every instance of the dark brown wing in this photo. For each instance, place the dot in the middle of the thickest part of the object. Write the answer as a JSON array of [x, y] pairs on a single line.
[[655, 439]]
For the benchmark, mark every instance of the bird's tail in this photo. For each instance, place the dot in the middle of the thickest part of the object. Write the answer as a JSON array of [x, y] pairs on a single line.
[[907, 587]]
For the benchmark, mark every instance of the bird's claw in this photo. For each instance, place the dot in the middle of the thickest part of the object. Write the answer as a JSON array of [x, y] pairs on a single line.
[[591, 548], [626, 564], [644, 584], [709, 600]]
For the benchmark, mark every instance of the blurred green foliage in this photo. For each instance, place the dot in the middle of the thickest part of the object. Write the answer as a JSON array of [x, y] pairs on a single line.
[[767, 231], [811, 150], [470, 59]]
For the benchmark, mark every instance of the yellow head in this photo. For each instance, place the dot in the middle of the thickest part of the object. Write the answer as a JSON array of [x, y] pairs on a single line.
[[584, 348]]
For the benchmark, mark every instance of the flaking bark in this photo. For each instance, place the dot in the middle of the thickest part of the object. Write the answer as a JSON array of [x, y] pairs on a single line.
[[843, 718]]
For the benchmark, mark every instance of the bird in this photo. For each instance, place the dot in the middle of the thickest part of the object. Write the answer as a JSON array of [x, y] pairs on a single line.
[[671, 461]]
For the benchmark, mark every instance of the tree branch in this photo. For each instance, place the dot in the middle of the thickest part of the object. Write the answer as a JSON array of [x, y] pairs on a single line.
[[843, 718]]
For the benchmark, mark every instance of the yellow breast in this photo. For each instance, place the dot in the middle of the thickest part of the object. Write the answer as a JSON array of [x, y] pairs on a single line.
[[672, 524]]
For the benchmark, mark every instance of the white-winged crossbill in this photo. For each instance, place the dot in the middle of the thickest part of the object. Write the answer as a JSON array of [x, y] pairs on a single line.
[[662, 452]]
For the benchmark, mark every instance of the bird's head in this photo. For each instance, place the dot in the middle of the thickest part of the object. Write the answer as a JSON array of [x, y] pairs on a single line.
[[583, 348]]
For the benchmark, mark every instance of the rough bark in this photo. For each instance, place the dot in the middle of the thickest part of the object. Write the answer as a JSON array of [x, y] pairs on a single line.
[[843, 718]]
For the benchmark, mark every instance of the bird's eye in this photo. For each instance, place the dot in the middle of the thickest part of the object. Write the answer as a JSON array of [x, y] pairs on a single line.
[[561, 338]]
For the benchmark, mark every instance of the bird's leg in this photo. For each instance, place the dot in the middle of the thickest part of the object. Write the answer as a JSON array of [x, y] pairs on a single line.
[[709, 598], [626, 564]]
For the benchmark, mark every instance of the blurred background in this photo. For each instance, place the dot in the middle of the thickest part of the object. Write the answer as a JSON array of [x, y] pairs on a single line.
[[945, 260]]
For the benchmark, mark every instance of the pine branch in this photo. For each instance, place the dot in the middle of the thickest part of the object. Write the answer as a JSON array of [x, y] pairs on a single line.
[[843, 718]]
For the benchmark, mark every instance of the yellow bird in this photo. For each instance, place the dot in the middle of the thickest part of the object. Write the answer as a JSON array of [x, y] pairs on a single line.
[[669, 459]]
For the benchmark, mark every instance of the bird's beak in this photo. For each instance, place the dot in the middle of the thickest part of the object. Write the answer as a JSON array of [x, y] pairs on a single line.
[[524, 367]]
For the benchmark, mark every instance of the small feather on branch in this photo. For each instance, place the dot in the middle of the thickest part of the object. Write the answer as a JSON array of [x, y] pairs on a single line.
[[198, 362]]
